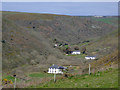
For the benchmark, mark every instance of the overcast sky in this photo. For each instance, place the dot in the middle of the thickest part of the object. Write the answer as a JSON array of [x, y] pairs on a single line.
[[64, 8]]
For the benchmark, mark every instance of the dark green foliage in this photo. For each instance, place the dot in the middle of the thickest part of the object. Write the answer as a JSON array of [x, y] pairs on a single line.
[[83, 50], [3, 41]]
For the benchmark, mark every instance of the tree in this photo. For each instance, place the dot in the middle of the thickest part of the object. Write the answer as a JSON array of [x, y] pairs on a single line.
[[66, 46], [84, 50], [68, 50], [76, 48], [55, 39]]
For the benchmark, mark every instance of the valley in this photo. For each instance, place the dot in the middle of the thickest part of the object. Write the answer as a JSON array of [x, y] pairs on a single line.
[[32, 42]]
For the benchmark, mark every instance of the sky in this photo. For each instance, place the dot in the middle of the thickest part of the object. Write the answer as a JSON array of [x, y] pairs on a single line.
[[60, 0], [64, 8]]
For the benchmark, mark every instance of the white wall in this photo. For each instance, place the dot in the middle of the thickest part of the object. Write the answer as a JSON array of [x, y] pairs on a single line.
[[75, 52], [90, 58], [53, 70]]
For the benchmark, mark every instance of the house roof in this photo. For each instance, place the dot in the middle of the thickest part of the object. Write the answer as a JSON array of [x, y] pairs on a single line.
[[61, 67], [56, 67], [76, 51], [90, 56]]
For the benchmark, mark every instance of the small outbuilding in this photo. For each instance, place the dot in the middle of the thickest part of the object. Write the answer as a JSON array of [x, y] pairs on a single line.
[[75, 52], [90, 57], [55, 45], [55, 69]]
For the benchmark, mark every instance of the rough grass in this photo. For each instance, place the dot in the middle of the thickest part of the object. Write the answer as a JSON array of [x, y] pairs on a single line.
[[8, 77], [40, 75], [106, 79], [78, 56], [106, 60], [30, 16]]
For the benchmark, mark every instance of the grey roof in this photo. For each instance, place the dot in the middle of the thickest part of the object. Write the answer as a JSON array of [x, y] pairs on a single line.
[[61, 67], [76, 51], [90, 56], [56, 67]]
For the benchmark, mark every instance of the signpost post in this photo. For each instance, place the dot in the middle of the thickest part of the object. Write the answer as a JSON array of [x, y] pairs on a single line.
[[54, 77], [89, 69], [14, 81]]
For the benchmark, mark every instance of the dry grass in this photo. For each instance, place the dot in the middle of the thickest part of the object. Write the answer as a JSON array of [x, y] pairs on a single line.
[[106, 61]]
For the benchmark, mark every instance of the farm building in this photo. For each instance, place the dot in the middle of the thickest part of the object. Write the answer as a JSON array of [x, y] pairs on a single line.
[[75, 52], [90, 57], [55, 69]]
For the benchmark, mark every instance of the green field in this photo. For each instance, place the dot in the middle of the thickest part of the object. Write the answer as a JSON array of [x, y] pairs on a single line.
[[106, 79], [107, 20]]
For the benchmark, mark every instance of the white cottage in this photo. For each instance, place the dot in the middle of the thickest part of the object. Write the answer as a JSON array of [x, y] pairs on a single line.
[[55, 69], [90, 57], [55, 45], [75, 52]]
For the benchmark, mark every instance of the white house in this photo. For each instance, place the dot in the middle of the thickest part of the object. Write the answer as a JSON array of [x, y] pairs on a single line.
[[55, 69], [55, 45], [90, 57], [75, 52], [98, 16]]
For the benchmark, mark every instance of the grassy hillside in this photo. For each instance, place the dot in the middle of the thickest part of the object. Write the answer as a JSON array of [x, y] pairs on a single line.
[[28, 40], [104, 79], [107, 60]]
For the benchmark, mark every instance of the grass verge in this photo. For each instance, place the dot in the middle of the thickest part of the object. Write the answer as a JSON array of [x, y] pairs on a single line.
[[104, 79]]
